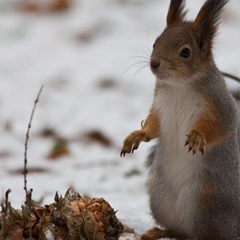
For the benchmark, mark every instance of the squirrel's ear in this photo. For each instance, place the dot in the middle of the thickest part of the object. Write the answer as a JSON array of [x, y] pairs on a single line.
[[206, 23], [176, 11]]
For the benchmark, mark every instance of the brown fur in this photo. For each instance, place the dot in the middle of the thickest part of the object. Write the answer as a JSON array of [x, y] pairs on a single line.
[[150, 130], [202, 205], [209, 125], [208, 130], [157, 233], [152, 124], [206, 196], [206, 23], [176, 12]]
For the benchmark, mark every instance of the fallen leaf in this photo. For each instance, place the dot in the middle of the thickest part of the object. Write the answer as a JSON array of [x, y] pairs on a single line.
[[59, 149], [95, 136], [29, 170], [47, 6], [48, 132], [133, 172], [107, 83]]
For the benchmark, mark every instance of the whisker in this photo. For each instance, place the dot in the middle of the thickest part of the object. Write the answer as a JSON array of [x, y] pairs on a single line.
[[144, 51], [136, 58], [136, 64], [135, 61], [140, 69], [150, 43]]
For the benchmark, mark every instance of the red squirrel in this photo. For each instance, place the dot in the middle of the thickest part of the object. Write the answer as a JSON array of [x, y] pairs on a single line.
[[194, 177]]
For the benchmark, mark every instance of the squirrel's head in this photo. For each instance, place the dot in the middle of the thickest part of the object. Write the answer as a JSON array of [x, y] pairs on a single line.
[[185, 47]]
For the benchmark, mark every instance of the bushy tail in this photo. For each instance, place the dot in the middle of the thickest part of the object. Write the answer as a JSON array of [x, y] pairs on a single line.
[[151, 155]]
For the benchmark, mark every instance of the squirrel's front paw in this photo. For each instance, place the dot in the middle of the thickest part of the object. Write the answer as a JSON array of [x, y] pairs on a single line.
[[196, 142], [132, 142]]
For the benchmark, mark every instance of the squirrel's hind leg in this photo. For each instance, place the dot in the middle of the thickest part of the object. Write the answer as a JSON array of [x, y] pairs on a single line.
[[156, 233]]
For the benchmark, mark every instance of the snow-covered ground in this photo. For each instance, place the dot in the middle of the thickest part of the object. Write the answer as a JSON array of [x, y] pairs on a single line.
[[88, 59]]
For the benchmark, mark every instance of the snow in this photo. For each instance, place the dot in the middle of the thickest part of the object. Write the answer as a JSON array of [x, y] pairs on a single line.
[[72, 54]]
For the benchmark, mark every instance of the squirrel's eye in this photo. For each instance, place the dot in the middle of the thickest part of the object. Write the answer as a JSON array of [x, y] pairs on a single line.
[[154, 45], [185, 53]]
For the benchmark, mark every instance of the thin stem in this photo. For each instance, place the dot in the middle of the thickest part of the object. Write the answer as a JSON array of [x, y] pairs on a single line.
[[231, 76], [25, 171]]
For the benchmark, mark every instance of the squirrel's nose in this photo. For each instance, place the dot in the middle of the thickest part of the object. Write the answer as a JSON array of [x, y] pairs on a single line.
[[155, 63]]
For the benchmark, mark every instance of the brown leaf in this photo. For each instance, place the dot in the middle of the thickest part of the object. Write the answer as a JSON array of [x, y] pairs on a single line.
[[5, 154], [50, 6], [30, 170], [48, 132], [107, 83], [59, 149], [61, 5], [96, 136], [17, 232], [91, 33], [133, 172]]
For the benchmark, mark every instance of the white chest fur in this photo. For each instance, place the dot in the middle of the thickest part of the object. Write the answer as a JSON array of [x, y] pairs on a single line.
[[179, 109]]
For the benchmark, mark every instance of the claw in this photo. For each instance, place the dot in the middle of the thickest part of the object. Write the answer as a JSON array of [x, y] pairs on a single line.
[[123, 153], [136, 145], [202, 150], [189, 149], [196, 142], [132, 142]]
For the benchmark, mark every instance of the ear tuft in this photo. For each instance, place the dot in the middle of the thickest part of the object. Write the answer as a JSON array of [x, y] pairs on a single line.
[[207, 21], [176, 11]]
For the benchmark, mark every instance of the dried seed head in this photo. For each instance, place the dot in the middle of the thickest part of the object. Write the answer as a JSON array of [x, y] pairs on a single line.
[[71, 216]]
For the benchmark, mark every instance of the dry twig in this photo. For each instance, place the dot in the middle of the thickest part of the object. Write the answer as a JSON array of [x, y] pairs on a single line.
[[26, 141], [25, 171], [228, 75]]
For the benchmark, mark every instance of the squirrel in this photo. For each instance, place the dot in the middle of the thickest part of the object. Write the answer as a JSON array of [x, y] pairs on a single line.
[[194, 184]]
